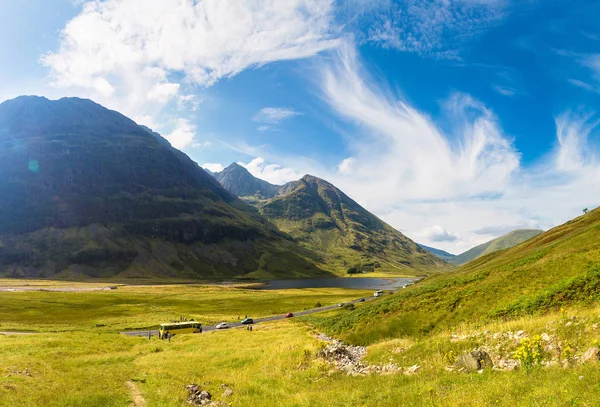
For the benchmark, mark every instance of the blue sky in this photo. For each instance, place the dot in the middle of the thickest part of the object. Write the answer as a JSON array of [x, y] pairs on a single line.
[[454, 121]]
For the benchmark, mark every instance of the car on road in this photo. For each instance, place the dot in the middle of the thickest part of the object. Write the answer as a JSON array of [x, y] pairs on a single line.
[[247, 321], [222, 325], [378, 293], [361, 300], [341, 304], [289, 315]]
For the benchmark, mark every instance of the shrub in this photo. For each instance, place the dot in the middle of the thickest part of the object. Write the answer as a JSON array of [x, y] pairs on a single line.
[[530, 352], [349, 306], [353, 270]]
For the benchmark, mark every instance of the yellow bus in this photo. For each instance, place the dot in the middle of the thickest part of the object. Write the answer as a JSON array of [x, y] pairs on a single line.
[[175, 328]]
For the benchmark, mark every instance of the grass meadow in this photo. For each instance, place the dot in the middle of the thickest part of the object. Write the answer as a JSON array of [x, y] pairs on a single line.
[[276, 365], [144, 307]]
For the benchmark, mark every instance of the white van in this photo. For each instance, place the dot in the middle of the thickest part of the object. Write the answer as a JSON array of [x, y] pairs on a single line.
[[378, 293]]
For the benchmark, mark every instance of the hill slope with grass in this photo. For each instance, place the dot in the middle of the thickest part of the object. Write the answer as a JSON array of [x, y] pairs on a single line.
[[503, 242], [86, 192], [558, 268], [324, 219]]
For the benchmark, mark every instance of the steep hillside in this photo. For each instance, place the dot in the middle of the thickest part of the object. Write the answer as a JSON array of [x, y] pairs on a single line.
[[324, 219], [85, 191], [238, 181], [440, 254], [555, 269], [503, 242]]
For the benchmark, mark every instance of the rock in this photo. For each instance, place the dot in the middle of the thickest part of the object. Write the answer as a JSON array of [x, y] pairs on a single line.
[[198, 397], [475, 360], [227, 390], [412, 370], [545, 337], [591, 355]]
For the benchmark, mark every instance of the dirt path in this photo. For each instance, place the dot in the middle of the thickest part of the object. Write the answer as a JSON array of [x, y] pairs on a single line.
[[136, 395]]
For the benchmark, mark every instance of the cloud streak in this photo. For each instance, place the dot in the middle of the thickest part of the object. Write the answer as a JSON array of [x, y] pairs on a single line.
[[140, 56]]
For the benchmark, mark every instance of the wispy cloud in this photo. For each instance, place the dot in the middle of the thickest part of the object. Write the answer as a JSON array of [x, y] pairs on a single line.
[[139, 56], [270, 117], [432, 28]]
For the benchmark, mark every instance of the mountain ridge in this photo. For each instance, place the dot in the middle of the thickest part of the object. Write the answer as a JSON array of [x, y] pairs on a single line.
[[503, 242], [86, 192], [325, 220]]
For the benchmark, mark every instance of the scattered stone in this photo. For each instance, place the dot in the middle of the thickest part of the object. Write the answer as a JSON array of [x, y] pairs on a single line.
[[228, 391], [347, 359], [591, 355], [580, 378], [545, 337], [507, 364], [197, 397], [412, 370], [473, 361]]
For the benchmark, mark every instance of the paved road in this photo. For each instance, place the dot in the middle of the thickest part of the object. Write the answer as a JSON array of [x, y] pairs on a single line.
[[206, 328]]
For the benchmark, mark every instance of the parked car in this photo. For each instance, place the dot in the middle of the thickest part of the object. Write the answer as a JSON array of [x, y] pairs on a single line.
[[289, 315], [361, 300], [222, 325], [247, 321]]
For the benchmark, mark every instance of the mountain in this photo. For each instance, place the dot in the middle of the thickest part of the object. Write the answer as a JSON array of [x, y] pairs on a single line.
[[238, 181], [503, 242], [440, 254], [85, 191], [555, 269], [324, 219]]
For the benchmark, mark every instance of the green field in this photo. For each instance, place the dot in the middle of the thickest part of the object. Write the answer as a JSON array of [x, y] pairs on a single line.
[[276, 365], [143, 307]]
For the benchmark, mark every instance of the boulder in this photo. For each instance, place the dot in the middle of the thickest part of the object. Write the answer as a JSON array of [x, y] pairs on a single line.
[[472, 361], [591, 355]]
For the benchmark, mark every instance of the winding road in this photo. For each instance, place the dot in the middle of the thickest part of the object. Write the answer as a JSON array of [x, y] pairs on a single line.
[[206, 328]]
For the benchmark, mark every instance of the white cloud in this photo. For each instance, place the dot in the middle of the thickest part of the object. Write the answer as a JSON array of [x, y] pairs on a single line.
[[270, 117], [272, 173], [431, 28], [147, 121], [132, 54], [414, 175], [347, 166], [403, 155], [274, 115], [163, 92], [213, 167], [436, 233], [184, 136]]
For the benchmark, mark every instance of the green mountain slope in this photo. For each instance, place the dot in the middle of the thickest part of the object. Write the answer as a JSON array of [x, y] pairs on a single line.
[[322, 218], [558, 268], [85, 191], [503, 242], [440, 254]]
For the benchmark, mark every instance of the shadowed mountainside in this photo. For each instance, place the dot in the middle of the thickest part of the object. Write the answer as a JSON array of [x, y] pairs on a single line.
[[85, 191]]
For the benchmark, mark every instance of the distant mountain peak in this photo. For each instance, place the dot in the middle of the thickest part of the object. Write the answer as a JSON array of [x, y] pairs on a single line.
[[239, 181]]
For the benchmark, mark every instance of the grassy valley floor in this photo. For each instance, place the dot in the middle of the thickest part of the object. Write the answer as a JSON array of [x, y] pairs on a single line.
[[277, 364]]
